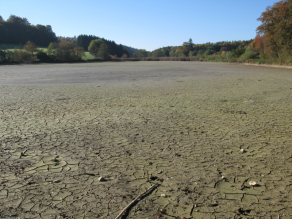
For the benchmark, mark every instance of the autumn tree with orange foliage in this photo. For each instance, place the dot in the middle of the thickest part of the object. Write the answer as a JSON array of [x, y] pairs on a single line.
[[276, 28], [185, 48]]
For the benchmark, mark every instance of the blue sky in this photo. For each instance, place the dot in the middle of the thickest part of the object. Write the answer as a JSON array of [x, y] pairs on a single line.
[[145, 24]]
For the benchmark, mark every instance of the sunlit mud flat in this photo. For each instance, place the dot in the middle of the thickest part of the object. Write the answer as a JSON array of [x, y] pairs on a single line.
[[201, 131]]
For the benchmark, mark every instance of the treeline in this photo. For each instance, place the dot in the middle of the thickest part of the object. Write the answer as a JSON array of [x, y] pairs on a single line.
[[114, 49], [272, 44], [17, 30], [62, 51], [191, 49]]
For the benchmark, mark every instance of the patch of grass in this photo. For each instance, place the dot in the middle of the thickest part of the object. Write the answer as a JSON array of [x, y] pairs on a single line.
[[88, 56], [11, 47]]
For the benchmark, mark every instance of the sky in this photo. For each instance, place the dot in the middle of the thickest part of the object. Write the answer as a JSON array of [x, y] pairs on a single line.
[[145, 24]]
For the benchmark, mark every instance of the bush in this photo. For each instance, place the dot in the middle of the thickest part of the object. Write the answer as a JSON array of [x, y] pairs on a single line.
[[209, 52], [21, 56], [238, 52], [43, 57], [248, 54]]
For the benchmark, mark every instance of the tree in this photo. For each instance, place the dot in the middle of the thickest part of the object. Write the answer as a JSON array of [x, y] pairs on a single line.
[[30, 47], [103, 52], [1, 19], [18, 20], [140, 53], [238, 52], [51, 48], [80, 52], [276, 28], [65, 51], [94, 46], [157, 53], [209, 52], [190, 43], [185, 48]]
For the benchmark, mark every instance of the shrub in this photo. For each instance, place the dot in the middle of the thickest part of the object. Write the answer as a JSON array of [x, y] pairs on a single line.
[[248, 54], [209, 52], [22, 56], [238, 52], [43, 57]]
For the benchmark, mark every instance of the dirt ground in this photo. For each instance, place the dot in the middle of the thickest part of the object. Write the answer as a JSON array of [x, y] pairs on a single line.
[[182, 125]]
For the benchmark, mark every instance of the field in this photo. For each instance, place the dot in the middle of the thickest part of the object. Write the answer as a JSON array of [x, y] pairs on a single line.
[[11, 47], [182, 125]]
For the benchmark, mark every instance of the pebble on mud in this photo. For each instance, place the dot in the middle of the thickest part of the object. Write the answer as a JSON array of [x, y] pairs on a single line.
[[101, 179], [56, 181], [163, 195], [253, 183], [242, 150]]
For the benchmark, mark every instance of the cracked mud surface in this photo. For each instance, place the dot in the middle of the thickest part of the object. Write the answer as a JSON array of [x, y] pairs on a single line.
[[179, 124]]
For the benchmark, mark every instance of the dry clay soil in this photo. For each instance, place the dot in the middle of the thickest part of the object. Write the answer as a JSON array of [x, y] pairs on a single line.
[[180, 125]]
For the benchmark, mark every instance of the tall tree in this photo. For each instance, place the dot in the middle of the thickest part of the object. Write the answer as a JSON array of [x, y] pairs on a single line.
[[190, 43], [79, 52], [17, 30], [65, 51], [94, 46], [185, 48], [277, 28], [51, 48], [18, 20], [103, 52]]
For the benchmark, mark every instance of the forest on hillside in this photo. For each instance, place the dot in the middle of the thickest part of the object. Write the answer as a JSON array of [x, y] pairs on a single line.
[[272, 43], [17, 30]]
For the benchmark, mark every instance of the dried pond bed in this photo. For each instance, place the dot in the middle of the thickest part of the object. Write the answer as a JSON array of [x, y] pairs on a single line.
[[184, 130]]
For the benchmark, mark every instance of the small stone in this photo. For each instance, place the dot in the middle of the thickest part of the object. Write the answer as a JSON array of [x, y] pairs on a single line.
[[100, 179], [253, 183], [56, 181], [159, 172], [242, 150], [163, 195]]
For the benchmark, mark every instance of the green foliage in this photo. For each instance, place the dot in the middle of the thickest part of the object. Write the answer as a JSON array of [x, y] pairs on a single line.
[[193, 53], [79, 51], [94, 46], [228, 55], [157, 53], [263, 55], [276, 28], [103, 52], [43, 57], [51, 48], [30, 47], [248, 54], [224, 48], [236, 53], [200, 53], [140, 53], [65, 51], [21, 56], [209, 52], [17, 30], [85, 40]]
